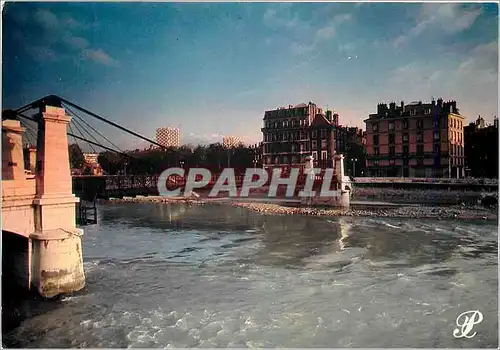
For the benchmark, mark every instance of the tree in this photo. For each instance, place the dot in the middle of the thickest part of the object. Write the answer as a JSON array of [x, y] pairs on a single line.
[[76, 159], [87, 171], [111, 162]]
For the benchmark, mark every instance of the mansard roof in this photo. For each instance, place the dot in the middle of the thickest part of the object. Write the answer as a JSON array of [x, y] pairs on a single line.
[[320, 121]]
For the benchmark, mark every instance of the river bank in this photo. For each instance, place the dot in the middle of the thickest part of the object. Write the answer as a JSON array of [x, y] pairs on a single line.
[[415, 212], [429, 197], [370, 209]]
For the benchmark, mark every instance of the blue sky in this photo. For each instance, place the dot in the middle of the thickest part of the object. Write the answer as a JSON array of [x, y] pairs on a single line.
[[213, 69]]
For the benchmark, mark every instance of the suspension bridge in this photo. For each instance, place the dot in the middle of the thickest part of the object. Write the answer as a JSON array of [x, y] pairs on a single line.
[[41, 243]]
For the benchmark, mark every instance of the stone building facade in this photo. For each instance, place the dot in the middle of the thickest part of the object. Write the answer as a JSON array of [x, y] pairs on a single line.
[[415, 140], [481, 149], [290, 134]]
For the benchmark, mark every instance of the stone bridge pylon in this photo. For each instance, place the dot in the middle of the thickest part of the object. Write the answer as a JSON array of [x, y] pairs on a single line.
[[41, 206]]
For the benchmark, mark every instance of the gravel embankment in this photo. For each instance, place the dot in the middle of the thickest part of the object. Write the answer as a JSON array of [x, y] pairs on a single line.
[[399, 212], [454, 205]]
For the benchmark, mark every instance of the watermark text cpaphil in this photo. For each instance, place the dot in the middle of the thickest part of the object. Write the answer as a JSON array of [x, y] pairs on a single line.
[[254, 178]]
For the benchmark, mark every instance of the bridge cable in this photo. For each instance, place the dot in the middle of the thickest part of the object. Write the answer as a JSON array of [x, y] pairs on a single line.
[[56, 100], [84, 139], [29, 131], [90, 125], [81, 133], [102, 146], [93, 129], [110, 122], [76, 141]]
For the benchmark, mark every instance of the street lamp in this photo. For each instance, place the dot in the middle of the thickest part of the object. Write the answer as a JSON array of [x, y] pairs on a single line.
[[354, 160]]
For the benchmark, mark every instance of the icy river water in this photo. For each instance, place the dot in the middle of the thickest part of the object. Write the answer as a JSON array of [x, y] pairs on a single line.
[[163, 275]]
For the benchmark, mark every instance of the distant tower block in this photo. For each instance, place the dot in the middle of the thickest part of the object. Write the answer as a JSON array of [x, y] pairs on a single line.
[[168, 137]]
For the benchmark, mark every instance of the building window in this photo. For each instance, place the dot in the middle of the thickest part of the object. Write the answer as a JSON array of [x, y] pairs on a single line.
[[436, 135], [420, 162], [420, 137], [376, 151], [314, 134], [406, 138], [323, 144], [392, 151], [437, 148], [375, 139], [406, 150], [324, 155], [436, 123], [413, 112], [315, 155], [314, 145], [391, 125], [420, 149], [323, 134], [420, 124], [392, 162], [405, 124], [427, 111], [375, 162], [392, 138], [375, 127]]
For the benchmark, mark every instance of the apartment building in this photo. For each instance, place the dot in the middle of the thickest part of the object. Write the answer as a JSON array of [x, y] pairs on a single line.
[[346, 135], [256, 151], [290, 134], [481, 149], [415, 140], [168, 137]]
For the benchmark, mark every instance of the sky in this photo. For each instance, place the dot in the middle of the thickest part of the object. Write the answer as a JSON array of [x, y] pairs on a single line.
[[212, 69]]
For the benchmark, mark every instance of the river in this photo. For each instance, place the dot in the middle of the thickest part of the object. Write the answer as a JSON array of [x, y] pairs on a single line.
[[163, 275]]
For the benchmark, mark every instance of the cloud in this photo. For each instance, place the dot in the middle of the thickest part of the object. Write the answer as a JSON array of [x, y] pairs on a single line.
[[75, 42], [346, 47], [299, 49], [58, 31], [100, 56], [339, 19], [326, 32], [282, 19], [447, 18], [42, 53], [46, 19], [472, 81], [482, 63]]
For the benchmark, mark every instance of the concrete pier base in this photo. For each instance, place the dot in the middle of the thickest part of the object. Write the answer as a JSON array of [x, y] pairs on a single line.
[[57, 264], [343, 183]]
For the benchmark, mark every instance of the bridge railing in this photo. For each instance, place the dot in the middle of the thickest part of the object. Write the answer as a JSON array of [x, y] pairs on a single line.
[[465, 181], [148, 184]]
